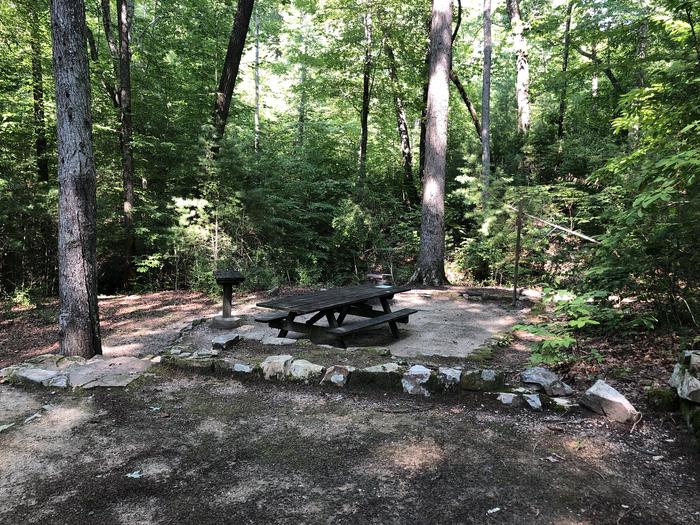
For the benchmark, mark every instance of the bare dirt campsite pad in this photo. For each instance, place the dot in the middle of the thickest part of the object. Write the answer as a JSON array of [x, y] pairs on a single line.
[[175, 448], [130, 324]]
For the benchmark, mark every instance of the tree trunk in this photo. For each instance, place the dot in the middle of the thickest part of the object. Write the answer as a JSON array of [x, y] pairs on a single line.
[[256, 140], [430, 268], [42, 161], [123, 17], [522, 82], [424, 107], [229, 74], [78, 319], [364, 114], [485, 108], [409, 190], [564, 70], [467, 102]]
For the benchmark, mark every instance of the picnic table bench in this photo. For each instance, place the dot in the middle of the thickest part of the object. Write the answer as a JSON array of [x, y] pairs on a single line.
[[335, 305]]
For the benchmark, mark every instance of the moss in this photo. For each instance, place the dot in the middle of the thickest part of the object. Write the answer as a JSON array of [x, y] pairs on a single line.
[[481, 354], [662, 399]]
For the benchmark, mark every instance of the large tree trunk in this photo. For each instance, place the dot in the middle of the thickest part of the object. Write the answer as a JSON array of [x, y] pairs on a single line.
[[485, 108], [124, 23], [522, 82], [424, 107], [229, 74], [256, 140], [78, 319], [364, 113], [430, 268], [42, 161], [564, 70], [409, 190]]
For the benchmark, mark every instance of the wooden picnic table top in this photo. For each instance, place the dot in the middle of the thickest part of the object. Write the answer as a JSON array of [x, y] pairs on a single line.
[[332, 298]]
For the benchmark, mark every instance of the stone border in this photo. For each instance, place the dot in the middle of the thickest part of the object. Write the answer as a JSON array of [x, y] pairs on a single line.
[[416, 379]]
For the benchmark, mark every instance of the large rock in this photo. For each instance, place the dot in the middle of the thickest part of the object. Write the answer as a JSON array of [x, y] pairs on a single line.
[[533, 401], [305, 371], [448, 378], [415, 380], [276, 366], [481, 380], [604, 399], [35, 375], [542, 379], [107, 372], [685, 383], [388, 376], [691, 359], [225, 341], [337, 375]]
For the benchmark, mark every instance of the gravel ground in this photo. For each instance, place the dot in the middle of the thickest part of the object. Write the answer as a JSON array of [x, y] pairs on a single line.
[[211, 450]]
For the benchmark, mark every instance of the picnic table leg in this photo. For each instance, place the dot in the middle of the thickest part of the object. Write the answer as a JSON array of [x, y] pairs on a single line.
[[333, 323], [341, 316], [315, 318], [387, 310], [283, 332]]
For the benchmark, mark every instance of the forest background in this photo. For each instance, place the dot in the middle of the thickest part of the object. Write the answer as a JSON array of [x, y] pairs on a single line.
[[612, 149]]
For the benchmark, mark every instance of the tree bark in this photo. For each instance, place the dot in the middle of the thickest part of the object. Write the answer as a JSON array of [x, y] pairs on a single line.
[[126, 137], [229, 74], [78, 319], [564, 70], [364, 113], [424, 107], [430, 268], [256, 140], [522, 82], [485, 108], [42, 161], [467, 102], [409, 190]]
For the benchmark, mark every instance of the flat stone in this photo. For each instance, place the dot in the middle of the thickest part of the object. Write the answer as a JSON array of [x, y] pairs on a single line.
[[448, 377], [240, 367], [481, 380], [225, 323], [225, 341], [277, 341], [303, 370], [34, 375], [533, 401], [60, 381], [415, 380], [540, 378], [337, 375], [387, 376], [46, 361], [507, 398], [204, 353], [276, 366], [107, 372], [605, 400], [563, 402]]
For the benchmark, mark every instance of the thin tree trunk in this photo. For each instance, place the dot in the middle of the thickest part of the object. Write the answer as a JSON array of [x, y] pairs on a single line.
[[301, 125], [229, 74], [123, 17], [564, 70], [42, 161], [364, 114], [409, 191], [430, 268], [522, 82], [256, 144], [467, 102], [78, 319], [693, 34], [485, 108]]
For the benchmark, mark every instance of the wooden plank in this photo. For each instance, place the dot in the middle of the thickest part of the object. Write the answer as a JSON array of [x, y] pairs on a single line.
[[374, 321], [272, 316], [331, 299]]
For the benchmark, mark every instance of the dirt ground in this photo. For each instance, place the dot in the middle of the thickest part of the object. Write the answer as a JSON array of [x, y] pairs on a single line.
[[212, 450]]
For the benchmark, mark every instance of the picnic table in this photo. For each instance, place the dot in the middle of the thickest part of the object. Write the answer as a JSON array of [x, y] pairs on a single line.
[[335, 305]]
